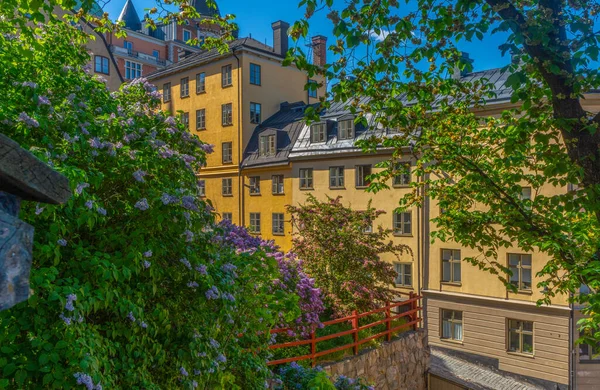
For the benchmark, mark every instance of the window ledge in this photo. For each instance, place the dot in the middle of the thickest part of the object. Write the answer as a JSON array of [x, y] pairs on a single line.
[[277, 193], [457, 284], [452, 341], [200, 93], [402, 235], [404, 286], [200, 129], [227, 86], [527, 355], [401, 185], [227, 124], [361, 187], [227, 162], [166, 101], [279, 234], [228, 195], [589, 362], [184, 97], [251, 194], [307, 188], [337, 188], [522, 292]]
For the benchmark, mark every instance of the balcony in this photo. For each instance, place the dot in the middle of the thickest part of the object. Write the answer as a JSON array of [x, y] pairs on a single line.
[[147, 58]]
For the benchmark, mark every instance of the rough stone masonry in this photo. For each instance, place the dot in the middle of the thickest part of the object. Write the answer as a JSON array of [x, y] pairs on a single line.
[[22, 177], [397, 365]]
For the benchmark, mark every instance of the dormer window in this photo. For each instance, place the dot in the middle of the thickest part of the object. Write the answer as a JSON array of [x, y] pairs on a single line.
[[268, 145], [318, 133], [346, 129]]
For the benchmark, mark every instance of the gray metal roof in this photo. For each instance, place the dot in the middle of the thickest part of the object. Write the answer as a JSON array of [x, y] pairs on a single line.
[[203, 8], [130, 17], [287, 125], [206, 55]]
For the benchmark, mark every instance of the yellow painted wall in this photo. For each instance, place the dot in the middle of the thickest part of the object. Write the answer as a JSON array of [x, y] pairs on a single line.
[[268, 203], [358, 199]]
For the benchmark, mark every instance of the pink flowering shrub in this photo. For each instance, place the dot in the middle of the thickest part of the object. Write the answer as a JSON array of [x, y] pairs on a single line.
[[131, 290], [292, 277], [342, 258]]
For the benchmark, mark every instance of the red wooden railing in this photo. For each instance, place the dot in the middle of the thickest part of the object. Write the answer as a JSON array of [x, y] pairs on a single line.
[[412, 313]]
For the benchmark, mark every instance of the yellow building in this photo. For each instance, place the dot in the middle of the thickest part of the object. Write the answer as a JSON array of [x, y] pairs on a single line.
[[223, 97]]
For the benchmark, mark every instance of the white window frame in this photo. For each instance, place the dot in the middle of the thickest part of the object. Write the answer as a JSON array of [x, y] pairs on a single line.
[[202, 188], [318, 133], [227, 114], [254, 185], [227, 152], [277, 184], [452, 261], [200, 82], [402, 223], [400, 269], [518, 268], [166, 92], [306, 178], [226, 78], [133, 68], [254, 223], [184, 87], [452, 323], [227, 186], [346, 129], [268, 146], [516, 328], [337, 177], [278, 224], [201, 119], [360, 177]]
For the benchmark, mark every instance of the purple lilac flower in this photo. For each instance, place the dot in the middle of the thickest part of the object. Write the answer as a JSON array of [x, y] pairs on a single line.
[[139, 175], [70, 299], [89, 204], [221, 358], [148, 253], [189, 203], [201, 268], [95, 143], [43, 100], [208, 149], [193, 284], [143, 324], [131, 317], [80, 187], [38, 209], [79, 318], [85, 379], [67, 320], [170, 121], [228, 267], [142, 204], [29, 121], [62, 242], [212, 293], [101, 211], [194, 384], [183, 372], [168, 199], [214, 343], [189, 236], [29, 84], [227, 296], [185, 262], [146, 264]]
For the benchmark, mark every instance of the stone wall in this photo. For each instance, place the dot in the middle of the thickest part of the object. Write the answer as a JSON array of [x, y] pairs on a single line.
[[398, 365]]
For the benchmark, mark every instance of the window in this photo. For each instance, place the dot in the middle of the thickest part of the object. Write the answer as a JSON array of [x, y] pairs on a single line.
[[362, 171], [202, 187], [185, 87], [277, 184], [306, 178], [520, 336], [166, 92], [368, 227], [201, 119], [346, 129], [128, 45], [201, 82], [520, 266], [187, 35], [589, 353], [133, 70], [336, 177], [404, 271], [451, 266], [525, 197], [403, 223], [226, 76], [227, 114], [185, 119], [101, 65], [254, 112], [452, 325], [227, 185], [254, 74], [255, 222], [156, 54], [318, 133], [312, 89], [278, 224], [254, 185], [267, 145], [401, 175], [227, 217], [227, 149]]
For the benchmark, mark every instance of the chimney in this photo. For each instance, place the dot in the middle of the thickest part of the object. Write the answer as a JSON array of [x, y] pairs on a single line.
[[280, 37], [319, 45], [464, 58]]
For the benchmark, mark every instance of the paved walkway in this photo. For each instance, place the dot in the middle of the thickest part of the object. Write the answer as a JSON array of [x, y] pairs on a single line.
[[475, 376]]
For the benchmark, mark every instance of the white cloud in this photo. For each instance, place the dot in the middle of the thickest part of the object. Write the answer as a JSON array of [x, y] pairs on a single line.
[[379, 37]]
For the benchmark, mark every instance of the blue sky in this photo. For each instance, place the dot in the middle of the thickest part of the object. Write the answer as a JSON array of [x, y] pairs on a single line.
[[255, 17]]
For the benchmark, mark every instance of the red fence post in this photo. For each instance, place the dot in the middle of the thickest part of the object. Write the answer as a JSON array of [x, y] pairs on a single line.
[[413, 306], [355, 334], [388, 324]]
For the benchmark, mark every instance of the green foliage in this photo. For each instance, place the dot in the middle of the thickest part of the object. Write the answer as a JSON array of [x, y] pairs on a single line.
[[131, 290], [473, 163], [342, 258]]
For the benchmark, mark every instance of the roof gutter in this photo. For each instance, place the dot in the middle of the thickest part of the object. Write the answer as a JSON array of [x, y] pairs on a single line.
[[241, 191]]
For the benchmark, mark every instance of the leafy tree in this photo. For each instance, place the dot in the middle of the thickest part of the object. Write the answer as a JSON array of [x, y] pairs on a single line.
[[132, 287], [546, 138], [342, 258]]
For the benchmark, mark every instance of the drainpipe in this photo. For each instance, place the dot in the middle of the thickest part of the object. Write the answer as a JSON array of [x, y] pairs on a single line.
[[426, 240], [241, 218], [419, 241]]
